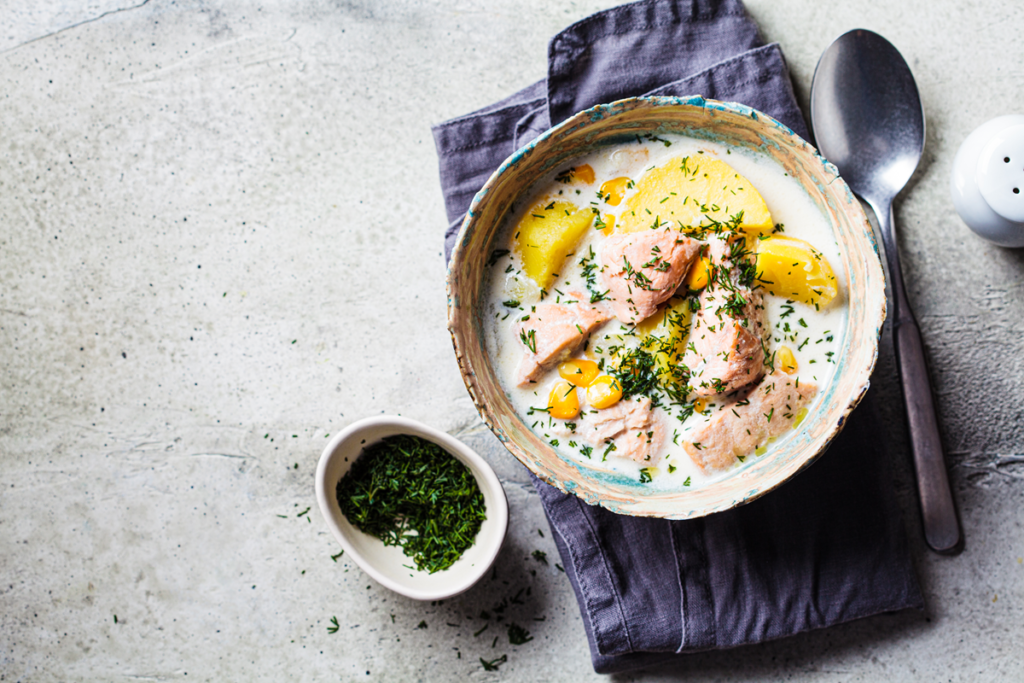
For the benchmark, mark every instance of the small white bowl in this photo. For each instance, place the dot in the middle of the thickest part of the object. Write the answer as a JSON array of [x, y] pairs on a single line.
[[388, 565]]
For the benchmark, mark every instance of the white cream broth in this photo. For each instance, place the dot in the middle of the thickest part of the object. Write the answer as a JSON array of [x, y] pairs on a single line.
[[813, 335]]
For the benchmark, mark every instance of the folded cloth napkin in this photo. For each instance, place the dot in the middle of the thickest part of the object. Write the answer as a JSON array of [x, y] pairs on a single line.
[[827, 547]]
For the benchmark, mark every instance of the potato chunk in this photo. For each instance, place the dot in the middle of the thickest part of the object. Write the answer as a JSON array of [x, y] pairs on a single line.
[[546, 235], [695, 190], [664, 335], [792, 268]]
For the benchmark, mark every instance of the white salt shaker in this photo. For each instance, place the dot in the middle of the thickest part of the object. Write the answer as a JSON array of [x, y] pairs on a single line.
[[988, 181]]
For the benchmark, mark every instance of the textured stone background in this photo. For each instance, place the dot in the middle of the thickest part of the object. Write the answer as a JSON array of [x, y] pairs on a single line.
[[220, 242]]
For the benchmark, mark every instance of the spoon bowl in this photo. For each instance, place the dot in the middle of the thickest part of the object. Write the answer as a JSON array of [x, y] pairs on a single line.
[[867, 114]]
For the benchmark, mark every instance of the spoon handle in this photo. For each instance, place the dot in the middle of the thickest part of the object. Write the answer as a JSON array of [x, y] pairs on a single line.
[[938, 512]]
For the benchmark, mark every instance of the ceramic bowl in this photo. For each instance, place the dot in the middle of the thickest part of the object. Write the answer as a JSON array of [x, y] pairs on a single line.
[[388, 565], [730, 124]]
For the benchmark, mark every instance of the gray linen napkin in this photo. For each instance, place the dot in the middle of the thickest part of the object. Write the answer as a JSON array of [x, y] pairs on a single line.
[[827, 547]]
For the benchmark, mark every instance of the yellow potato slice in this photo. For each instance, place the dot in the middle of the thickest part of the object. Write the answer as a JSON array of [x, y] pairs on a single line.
[[546, 235], [665, 333], [792, 268], [695, 191]]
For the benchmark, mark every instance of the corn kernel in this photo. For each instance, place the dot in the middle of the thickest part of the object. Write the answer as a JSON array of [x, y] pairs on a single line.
[[785, 360], [584, 173], [563, 403], [700, 273], [700, 405], [579, 372], [604, 392], [614, 190]]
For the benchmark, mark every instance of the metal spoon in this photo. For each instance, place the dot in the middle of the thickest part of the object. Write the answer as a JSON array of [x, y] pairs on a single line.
[[868, 121]]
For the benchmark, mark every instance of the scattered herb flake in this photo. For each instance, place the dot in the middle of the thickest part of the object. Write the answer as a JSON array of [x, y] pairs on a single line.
[[517, 635], [494, 663], [495, 255]]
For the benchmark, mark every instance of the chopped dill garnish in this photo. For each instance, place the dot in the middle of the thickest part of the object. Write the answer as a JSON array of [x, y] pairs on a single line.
[[495, 255], [410, 492], [494, 663], [589, 274], [637, 373], [655, 138], [517, 635], [639, 279], [529, 339]]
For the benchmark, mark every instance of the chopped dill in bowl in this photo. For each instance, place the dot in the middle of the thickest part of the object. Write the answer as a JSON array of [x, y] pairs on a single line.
[[410, 492]]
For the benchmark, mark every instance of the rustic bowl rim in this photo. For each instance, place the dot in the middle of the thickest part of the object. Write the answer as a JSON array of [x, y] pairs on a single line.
[[583, 488]]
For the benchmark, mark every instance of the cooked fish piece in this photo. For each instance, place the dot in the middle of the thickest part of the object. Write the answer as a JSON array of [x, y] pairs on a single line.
[[738, 429], [643, 269], [631, 424], [553, 332], [728, 332]]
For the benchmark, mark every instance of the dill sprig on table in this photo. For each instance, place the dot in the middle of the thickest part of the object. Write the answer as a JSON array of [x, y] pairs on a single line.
[[410, 492]]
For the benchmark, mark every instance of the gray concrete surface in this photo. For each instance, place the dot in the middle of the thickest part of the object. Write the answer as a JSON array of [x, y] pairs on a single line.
[[220, 242]]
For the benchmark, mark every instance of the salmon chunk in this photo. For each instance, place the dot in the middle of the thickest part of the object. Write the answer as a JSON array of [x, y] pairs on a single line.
[[726, 350], [643, 269], [553, 332], [738, 429], [631, 425]]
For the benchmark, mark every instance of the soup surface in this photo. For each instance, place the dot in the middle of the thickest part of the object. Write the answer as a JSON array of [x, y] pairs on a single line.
[[665, 309]]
